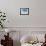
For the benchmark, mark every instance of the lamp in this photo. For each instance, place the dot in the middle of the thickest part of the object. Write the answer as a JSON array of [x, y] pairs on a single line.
[[7, 31]]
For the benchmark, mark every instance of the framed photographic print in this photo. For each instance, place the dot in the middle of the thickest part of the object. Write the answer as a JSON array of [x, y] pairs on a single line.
[[24, 11]]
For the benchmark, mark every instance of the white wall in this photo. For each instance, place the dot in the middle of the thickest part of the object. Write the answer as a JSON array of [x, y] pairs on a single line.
[[38, 15], [12, 7]]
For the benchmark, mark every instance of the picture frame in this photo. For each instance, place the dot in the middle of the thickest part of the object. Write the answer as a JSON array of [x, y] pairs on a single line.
[[24, 11]]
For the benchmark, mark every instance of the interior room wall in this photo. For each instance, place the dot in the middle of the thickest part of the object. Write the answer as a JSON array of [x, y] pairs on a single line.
[[12, 9]]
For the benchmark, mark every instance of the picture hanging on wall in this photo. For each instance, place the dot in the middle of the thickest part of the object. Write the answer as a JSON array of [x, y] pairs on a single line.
[[24, 11]]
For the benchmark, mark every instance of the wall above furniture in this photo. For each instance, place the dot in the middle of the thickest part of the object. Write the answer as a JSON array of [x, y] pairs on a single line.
[[38, 18]]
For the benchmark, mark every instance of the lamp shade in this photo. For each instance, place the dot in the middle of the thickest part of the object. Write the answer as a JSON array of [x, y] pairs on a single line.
[[7, 30]]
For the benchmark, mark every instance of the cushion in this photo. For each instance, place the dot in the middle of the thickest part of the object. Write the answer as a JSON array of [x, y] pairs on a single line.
[[26, 39]]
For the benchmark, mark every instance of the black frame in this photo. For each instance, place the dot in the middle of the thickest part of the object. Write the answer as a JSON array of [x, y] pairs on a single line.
[[24, 10]]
